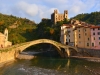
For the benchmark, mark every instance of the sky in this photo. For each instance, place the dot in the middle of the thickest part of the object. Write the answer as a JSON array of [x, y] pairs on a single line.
[[35, 10]]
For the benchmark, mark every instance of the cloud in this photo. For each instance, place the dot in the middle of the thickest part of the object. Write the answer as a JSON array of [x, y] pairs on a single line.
[[29, 9], [56, 2], [45, 12], [37, 9]]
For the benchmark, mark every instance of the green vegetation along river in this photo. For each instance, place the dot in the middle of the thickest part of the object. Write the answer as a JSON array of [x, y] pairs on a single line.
[[50, 66]]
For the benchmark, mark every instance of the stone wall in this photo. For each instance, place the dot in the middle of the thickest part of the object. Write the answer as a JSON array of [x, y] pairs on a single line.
[[6, 56], [90, 52]]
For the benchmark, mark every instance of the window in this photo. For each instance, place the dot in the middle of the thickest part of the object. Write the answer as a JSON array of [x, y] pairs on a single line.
[[69, 31], [98, 33], [94, 38], [93, 33], [85, 33], [6, 34], [93, 44], [79, 30], [88, 38], [99, 38], [79, 36], [69, 35], [85, 29], [93, 29], [98, 28], [99, 43], [87, 44], [69, 40], [79, 41]]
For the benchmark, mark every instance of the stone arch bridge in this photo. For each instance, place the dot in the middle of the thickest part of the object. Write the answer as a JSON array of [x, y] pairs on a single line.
[[21, 47]]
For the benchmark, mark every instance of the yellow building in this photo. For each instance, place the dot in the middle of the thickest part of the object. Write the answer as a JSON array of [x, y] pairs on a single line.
[[87, 35], [4, 39], [76, 34], [82, 36], [55, 17]]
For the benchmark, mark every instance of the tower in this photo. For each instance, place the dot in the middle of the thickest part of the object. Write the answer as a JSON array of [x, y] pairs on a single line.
[[65, 14], [55, 11], [6, 34], [55, 16]]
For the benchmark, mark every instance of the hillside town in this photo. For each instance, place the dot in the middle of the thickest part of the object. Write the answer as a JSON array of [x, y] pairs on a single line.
[[80, 34], [49, 37], [77, 33], [70, 44]]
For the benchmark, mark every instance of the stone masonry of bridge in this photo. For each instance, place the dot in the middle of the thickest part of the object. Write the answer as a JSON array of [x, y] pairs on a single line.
[[12, 52]]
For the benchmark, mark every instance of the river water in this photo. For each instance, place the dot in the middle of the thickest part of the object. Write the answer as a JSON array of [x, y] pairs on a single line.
[[50, 66]]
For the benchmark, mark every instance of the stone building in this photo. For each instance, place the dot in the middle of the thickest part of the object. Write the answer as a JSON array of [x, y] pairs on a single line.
[[55, 17], [4, 39]]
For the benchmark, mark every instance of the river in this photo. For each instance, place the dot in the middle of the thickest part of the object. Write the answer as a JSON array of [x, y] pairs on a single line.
[[50, 66]]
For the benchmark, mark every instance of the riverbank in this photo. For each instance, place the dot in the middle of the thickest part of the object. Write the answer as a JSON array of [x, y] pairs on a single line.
[[23, 56], [92, 59], [31, 55], [27, 55]]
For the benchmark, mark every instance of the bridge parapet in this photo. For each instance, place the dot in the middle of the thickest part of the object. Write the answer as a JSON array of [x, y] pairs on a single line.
[[23, 46]]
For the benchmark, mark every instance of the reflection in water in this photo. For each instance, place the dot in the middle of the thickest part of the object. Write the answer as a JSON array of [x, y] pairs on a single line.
[[68, 66], [51, 66], [68, 63]]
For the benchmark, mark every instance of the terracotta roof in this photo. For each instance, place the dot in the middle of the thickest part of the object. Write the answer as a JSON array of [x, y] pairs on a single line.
[[87, 26], [95, 27], [68, 27], [65, 25], [79, 26]]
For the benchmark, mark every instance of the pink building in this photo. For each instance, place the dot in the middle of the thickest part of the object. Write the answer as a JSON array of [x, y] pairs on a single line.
[[95, 37]]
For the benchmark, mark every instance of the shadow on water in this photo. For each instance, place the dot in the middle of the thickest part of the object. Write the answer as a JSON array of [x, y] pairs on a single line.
[[51, 66], [68, 66]]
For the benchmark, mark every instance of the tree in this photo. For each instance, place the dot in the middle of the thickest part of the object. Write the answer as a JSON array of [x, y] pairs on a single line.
[[51, 31]]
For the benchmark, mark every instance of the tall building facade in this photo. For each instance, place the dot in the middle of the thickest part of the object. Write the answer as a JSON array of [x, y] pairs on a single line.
[[81, 35], [55, 17], [67, 34]]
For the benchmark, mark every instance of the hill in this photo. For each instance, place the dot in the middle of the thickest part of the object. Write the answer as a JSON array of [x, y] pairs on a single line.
[[20, 29], [91, 18]]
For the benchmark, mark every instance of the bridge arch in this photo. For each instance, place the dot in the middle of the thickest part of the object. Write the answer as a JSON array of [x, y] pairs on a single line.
[[22, 48], [58, 45]]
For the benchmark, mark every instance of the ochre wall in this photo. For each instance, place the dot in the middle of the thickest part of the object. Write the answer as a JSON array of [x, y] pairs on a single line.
[[7, 56]]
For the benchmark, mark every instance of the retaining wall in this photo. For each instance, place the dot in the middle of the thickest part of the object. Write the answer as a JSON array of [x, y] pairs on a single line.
[[6, 56], [91, 52]]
